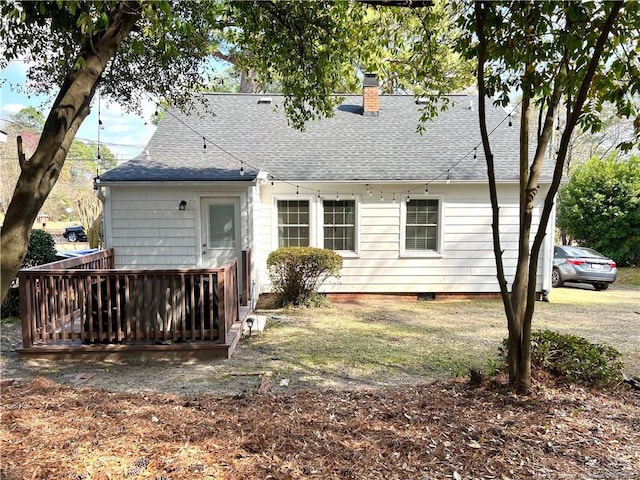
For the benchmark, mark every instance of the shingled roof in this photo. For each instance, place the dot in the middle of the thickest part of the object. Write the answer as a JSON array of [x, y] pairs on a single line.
[[247, 131]]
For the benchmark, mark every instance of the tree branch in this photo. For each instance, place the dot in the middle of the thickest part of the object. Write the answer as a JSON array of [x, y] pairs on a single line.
[[493, 193]]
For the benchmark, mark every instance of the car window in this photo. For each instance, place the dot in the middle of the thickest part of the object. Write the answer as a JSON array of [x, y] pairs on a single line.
[[581, 252]]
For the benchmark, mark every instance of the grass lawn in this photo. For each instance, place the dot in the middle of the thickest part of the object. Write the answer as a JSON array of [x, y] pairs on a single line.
[[403, 342], [628, 276]]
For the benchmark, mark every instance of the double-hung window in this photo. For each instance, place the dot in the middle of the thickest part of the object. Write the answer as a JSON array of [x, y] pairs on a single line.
[[422, 226], [339, 225], [293, 223]]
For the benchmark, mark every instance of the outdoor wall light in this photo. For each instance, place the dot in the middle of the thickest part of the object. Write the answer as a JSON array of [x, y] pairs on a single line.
[[183, 205], [250, 324]]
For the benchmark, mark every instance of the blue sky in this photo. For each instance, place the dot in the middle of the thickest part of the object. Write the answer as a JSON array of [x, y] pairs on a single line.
[[125, 134]]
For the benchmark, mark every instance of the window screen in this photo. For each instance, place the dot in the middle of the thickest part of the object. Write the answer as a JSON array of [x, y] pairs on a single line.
[[422, 225], [339, 224], [293, 223]]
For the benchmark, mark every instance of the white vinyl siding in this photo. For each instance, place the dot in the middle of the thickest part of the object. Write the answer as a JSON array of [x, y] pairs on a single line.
[[146, 229], [463, 263]]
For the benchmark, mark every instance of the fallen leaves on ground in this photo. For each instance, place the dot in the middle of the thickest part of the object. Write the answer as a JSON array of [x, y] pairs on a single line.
[[442, 430]]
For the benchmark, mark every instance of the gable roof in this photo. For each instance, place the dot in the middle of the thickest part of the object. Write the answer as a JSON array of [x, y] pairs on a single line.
[[346, 147]]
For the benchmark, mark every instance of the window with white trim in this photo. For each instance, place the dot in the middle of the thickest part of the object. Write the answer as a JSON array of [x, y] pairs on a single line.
[[293, 223], [422, 226], [339, 224]]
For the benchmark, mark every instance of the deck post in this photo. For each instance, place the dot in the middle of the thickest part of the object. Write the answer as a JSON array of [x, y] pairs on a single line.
[[222, 320], [26, 313]]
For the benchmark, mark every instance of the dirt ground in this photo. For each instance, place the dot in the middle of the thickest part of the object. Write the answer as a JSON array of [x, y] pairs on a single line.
[[439, 430], [205, 419]]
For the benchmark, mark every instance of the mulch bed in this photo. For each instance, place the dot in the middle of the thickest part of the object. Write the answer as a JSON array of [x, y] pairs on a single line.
[[441, 430]]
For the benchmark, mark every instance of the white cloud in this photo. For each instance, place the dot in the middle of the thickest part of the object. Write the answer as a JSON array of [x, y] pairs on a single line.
[[118, 127], [13, 107]]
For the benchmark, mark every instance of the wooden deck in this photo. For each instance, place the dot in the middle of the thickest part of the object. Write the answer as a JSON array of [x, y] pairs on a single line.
[[84, 307]]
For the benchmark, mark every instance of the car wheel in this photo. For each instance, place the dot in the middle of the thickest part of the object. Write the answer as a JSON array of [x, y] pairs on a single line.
[[72, 237], [556, 279], [600, 286]]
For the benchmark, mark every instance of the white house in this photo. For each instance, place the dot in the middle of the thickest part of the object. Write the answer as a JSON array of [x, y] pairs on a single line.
[[408, 212]]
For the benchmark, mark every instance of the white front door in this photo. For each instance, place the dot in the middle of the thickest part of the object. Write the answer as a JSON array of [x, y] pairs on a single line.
[[220, 227]]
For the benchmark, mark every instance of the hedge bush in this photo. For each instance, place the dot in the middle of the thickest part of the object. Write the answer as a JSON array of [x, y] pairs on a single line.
[[298, 272], [573, 358]]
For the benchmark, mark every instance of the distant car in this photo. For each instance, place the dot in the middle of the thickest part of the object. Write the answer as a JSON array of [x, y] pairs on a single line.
[[75, 233], [582, 265]]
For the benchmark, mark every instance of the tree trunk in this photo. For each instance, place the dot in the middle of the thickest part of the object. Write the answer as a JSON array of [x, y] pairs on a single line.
[[40, 173], [248, 82], [519, 304]]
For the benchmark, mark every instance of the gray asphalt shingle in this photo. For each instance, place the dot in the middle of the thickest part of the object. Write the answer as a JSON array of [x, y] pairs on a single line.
[[347, 147]]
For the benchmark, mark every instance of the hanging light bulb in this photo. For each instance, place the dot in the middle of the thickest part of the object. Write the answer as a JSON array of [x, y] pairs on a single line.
[[448, 178], [381, 197], [297, 190], [369, 190], [318, 194], [241, 168], [475, 154], [204, 143], [558, 124], [408, 196], [337, 196], [393, 199], [510, 122], [101, 124], [426, 190], [352, 196]]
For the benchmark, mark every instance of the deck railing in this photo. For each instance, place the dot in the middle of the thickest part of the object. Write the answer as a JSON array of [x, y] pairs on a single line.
[[86, 300]]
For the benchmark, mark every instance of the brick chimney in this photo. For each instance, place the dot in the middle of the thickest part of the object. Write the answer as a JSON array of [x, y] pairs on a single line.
[[370, 95]]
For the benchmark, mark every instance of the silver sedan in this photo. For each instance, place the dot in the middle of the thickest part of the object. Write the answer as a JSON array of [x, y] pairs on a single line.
[[582, 265]]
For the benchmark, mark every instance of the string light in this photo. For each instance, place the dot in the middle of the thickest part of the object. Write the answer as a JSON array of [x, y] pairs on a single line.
[[100, 127], [337, 196], [558, 124], [369, 188], [352, 195]]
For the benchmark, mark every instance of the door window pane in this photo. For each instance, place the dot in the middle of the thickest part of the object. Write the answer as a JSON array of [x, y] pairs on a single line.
[[222, 226]]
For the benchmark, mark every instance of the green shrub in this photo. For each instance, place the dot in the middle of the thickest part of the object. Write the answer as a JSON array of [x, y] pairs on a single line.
[[42, 249], [600, 207], [573, 358], [298, 272], [11, 305]]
